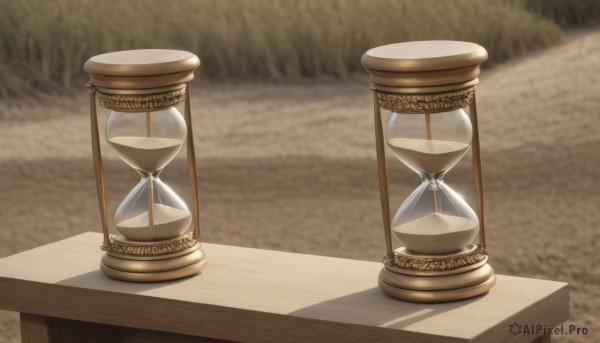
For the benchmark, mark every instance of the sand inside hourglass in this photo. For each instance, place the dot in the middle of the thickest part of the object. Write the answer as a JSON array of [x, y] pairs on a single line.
[[437, 233], [168, 222], [149, 154], [426, 155]]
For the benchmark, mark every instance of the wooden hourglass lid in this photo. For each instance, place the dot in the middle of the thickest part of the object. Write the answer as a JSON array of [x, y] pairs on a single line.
[[141, 69], [424, 66]]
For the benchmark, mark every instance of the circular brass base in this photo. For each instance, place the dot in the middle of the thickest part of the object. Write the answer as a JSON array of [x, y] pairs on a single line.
[[437, 289], [153, 268]]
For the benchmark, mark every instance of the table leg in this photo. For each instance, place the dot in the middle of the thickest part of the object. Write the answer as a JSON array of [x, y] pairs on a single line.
[[43, 329], [34, 328]]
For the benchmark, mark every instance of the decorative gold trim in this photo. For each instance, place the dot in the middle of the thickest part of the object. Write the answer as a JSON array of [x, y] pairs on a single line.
[[425, 103], [155, 257], [137, 248], [435, 263], [142, 102], [399, 270]]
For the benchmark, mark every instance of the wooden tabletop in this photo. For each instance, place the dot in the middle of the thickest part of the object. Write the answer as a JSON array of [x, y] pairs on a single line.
[[249, 294]]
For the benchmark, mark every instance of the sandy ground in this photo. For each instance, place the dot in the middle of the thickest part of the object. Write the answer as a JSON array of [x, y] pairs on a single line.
[[292, 167]]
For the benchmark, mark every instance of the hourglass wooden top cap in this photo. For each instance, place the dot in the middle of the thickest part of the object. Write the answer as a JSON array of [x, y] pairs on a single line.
[[424, 63], [140, 69]]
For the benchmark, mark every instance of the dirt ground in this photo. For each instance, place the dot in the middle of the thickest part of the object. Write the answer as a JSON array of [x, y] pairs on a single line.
[[292, 167]]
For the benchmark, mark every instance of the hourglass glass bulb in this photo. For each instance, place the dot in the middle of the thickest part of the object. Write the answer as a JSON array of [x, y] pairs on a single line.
[[430, 143], [434, 219], [147, 141], [151, 211]]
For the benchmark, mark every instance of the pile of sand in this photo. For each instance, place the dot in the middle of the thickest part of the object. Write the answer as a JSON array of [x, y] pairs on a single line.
[[436, 233], [169, 222], [149, 154], [427, 156], [292, 167]]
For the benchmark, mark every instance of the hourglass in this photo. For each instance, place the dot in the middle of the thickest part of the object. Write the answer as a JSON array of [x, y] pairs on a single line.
[[427, 86], [142, 89], [152, 210]]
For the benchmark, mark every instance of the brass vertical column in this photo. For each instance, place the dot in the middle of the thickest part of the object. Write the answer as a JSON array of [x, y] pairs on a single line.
[[192, 171], [383, 179], [98, 167], [477, 177]]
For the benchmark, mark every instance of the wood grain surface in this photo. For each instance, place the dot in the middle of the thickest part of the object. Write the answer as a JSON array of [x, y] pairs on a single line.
[[249, 294]]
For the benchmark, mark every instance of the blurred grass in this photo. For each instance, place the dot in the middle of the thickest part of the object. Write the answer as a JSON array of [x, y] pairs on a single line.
[[566, 13], [43, 44]]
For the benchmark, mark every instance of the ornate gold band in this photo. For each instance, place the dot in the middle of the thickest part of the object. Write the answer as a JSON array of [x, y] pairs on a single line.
[[142, 102], [425, 103], [121, 245], [429, 263]]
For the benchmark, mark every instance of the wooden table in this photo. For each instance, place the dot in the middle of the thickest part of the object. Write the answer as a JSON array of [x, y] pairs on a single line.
[[254, 295]]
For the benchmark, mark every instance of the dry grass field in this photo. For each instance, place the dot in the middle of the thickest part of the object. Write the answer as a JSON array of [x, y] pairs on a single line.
[[291, 166], [44, 43]]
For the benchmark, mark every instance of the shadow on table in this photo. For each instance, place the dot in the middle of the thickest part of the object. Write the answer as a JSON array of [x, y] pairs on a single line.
[[98, 281], [373, 307]]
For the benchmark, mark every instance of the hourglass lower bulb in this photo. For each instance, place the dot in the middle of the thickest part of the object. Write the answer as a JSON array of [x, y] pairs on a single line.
[[434, 219], [148, 141]]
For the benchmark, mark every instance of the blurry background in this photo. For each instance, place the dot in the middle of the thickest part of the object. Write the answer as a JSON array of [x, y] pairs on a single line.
[[283, 125]]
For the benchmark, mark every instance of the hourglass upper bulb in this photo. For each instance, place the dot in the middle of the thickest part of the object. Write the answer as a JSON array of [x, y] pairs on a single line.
[[147, 141], [429, 143]]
